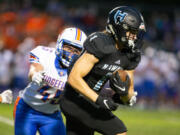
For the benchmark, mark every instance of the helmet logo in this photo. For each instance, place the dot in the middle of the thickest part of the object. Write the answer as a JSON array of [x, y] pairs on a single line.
[[142, 27], [119, 17]]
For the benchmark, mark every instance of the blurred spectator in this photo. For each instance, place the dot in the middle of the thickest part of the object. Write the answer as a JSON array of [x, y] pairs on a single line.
[[6, 57], [21, 64]]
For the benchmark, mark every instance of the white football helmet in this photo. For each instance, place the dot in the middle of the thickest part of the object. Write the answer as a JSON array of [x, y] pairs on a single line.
[[71, 36]]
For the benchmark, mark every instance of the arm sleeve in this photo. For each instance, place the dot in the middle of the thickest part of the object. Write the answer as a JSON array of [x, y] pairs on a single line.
[[40, 54], [33, 55]]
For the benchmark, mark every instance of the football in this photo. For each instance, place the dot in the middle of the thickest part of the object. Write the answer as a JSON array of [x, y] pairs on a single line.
[[120, 82], [122, 74]]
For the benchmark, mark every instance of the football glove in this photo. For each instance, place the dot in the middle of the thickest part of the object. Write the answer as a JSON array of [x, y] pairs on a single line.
[[133, 99], [118, 85], [117, 99], [6, 96], [38, 77], [106, 103]]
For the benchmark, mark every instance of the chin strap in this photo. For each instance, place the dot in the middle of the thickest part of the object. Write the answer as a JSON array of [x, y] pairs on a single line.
[[131, 44], [68, 58], [65, 62], [110, 29]]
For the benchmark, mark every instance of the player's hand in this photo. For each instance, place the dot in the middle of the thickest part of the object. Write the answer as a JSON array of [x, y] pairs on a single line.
[[38, 77], [133, 99], [116, 98], [106, 103], [7, 97], [118, 85]]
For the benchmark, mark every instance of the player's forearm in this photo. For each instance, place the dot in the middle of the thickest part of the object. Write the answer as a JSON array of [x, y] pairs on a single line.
[[35, 67], [82, 87], [131, 88], [80, 69]]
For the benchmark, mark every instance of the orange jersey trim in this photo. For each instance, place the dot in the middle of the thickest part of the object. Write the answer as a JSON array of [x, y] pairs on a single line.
[[15, 106]]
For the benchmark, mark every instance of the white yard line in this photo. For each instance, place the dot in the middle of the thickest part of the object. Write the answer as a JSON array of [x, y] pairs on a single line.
[[6, 120]]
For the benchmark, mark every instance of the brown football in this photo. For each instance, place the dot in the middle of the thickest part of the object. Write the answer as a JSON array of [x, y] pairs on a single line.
[[122, 74]]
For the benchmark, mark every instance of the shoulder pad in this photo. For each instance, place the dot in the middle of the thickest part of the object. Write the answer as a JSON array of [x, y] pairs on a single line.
[[99, 44], [40, 52]]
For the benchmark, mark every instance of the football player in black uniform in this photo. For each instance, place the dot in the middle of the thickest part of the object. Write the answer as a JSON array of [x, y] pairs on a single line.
[[118, 47]]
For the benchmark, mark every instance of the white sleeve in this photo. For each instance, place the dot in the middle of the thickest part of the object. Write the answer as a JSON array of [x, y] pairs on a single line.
[[34, 56], [40, 55]]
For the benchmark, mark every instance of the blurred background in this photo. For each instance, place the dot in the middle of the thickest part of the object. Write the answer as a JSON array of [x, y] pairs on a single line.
[[24, 24]]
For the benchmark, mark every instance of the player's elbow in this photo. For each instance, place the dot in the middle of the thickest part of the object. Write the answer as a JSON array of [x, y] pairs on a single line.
[[70, 79], [73, 78]]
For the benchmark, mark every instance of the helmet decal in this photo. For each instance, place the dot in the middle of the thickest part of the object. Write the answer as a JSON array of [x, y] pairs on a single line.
[[142, 27], [119, 17], [78, 34]]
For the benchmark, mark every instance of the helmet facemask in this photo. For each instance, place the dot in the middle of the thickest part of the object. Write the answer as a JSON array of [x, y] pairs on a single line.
[[132, 38], [69, 54], [65, 55], [69, 46], [124, 40]]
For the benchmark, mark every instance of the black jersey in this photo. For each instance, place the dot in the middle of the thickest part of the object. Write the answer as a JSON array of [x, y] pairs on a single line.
[[102, 46]]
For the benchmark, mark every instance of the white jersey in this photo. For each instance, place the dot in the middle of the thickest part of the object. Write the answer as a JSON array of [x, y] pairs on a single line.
[[44, 98]]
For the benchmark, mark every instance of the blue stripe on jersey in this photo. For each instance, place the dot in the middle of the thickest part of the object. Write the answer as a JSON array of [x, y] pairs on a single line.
[[44, 93], [58, 94], [44, 88], [33, 58], [33, 61], [45, 98]]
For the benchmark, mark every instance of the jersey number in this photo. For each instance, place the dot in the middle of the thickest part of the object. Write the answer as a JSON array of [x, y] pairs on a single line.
[[45, 94]]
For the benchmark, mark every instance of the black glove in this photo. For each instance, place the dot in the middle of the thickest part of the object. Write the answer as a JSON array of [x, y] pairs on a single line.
[[116, 98], [118, 85], [106, 103]]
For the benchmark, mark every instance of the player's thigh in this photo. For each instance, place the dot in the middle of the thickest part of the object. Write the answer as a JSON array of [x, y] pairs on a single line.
[[109, 124], [56, 128], [52, 125], [75, 127], [92, 117], [23, 127], [24, 124]]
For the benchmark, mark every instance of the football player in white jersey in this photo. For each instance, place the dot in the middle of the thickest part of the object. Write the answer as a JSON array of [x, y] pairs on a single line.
[[6, 97], [37, 108]]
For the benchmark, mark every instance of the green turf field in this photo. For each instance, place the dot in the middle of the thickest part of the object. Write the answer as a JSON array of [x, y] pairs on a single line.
[[139, 122]]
